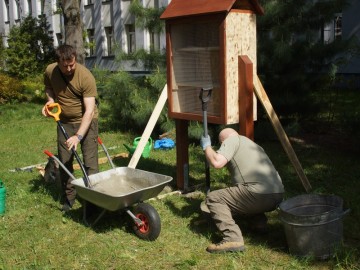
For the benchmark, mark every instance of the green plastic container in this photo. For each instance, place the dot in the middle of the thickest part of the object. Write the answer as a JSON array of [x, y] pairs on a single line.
[[147, 148], [2, 198]]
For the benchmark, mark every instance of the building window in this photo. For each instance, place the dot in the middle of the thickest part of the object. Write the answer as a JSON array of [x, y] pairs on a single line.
[[89, 2], [130, 34], [338, 27], [7, 11], [59, 38], [42, 3], [90, 42], [18, 10], [109, 40], [29, 7]]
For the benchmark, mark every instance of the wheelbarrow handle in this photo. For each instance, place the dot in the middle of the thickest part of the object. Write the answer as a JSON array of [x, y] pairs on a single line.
[[106, 152], [51, 155], [50, 110]]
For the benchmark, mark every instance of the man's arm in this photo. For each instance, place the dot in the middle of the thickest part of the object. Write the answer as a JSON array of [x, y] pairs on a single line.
[[89, 104], [50, 99], [215, 159]]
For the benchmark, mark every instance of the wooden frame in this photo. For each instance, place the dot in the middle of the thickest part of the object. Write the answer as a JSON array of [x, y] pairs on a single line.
[[234, 23]]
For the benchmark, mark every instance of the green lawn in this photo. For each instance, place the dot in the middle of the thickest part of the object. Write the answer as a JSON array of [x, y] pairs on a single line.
[[34, 234]]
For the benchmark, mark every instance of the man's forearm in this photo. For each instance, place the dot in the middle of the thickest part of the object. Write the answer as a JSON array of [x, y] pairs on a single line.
[[49, 95], [85, 123]]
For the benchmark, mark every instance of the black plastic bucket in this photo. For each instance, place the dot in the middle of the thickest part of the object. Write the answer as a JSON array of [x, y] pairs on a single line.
[[313, 224]]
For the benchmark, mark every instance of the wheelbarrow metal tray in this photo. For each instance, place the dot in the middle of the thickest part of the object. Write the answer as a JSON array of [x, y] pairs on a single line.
[[121, 187]]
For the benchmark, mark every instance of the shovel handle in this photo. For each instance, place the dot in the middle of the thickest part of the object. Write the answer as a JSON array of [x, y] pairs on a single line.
[[50, 110]]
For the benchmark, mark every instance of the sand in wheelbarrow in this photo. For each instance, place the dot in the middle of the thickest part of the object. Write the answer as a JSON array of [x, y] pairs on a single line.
[[119, 186]]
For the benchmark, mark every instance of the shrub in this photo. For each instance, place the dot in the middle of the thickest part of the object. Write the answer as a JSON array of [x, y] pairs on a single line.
[[34, 88], [10, 89]]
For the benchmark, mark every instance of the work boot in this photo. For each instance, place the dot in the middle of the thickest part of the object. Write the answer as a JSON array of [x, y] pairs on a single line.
[[226, 246]]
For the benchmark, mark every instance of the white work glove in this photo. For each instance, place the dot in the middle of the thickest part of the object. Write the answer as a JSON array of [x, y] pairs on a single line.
[[205, 142]]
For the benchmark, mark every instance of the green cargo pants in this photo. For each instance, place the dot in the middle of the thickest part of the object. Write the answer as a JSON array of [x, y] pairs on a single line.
[[89, 150]]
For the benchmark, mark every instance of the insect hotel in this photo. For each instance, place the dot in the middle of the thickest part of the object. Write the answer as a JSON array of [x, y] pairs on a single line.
[[210, 44]]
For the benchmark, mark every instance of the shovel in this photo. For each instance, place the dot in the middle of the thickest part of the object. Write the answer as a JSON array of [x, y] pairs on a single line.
[[204, 102], [55, 115]]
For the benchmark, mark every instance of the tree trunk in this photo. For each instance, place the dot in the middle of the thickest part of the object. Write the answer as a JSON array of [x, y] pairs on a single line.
[[73, 27]]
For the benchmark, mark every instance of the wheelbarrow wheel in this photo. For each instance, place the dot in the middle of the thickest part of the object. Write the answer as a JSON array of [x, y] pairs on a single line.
[[151, 225]]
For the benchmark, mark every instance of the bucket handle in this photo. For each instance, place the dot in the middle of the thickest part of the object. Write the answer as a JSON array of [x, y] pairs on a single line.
[[150, 140]]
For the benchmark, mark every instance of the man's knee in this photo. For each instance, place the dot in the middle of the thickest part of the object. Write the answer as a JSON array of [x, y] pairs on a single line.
[[212, 197]]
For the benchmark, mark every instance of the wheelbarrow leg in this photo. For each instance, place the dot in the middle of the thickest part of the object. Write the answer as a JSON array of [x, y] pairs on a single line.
[[85, 220]]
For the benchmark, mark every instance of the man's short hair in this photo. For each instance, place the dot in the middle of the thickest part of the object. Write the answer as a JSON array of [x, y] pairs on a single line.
[[65, 52]]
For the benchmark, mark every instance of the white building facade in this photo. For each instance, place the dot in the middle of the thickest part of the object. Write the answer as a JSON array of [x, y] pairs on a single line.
[[108, 26]]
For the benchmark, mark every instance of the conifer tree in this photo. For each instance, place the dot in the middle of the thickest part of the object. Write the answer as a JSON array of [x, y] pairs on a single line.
[[293, 60], [30, 47]]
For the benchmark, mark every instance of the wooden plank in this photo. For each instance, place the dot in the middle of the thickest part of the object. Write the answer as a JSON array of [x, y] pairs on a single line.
[[261, 94], [149, 128], [246, 92], [240, 40]]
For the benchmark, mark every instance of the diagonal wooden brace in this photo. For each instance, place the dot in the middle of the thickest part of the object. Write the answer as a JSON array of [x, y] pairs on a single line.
[[262, 96]]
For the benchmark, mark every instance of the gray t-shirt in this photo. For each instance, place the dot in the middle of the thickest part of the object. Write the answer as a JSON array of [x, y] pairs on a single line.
[[250, 166]]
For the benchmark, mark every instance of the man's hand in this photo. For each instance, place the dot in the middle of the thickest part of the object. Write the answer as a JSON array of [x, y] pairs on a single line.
[[73, 141], [205, 142]]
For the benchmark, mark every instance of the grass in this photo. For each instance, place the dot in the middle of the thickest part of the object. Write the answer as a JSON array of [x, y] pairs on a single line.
[[35, 235]]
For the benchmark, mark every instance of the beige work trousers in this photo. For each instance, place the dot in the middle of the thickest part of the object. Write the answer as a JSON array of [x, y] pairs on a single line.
[[237, 200]]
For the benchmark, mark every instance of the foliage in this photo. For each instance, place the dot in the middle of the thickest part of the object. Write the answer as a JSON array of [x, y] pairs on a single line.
[[2, 57], [28, 89], [132, 99], [10, 89], [147, 18], [141, 58], [30, 47], [293, 61], [34, 88]]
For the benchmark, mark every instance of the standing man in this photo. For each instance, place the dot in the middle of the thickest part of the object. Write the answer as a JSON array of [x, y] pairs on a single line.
[[256, 187], [73, 86]]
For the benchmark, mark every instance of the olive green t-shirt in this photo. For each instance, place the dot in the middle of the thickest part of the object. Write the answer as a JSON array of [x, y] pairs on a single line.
[[250, 166], [84, 84]]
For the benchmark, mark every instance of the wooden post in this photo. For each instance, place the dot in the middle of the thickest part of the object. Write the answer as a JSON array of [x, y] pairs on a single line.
[[182, 154], [246, 93]]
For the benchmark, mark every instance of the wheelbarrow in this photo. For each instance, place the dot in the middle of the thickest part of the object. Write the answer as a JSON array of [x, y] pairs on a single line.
[[118, 189], [123, 189]]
